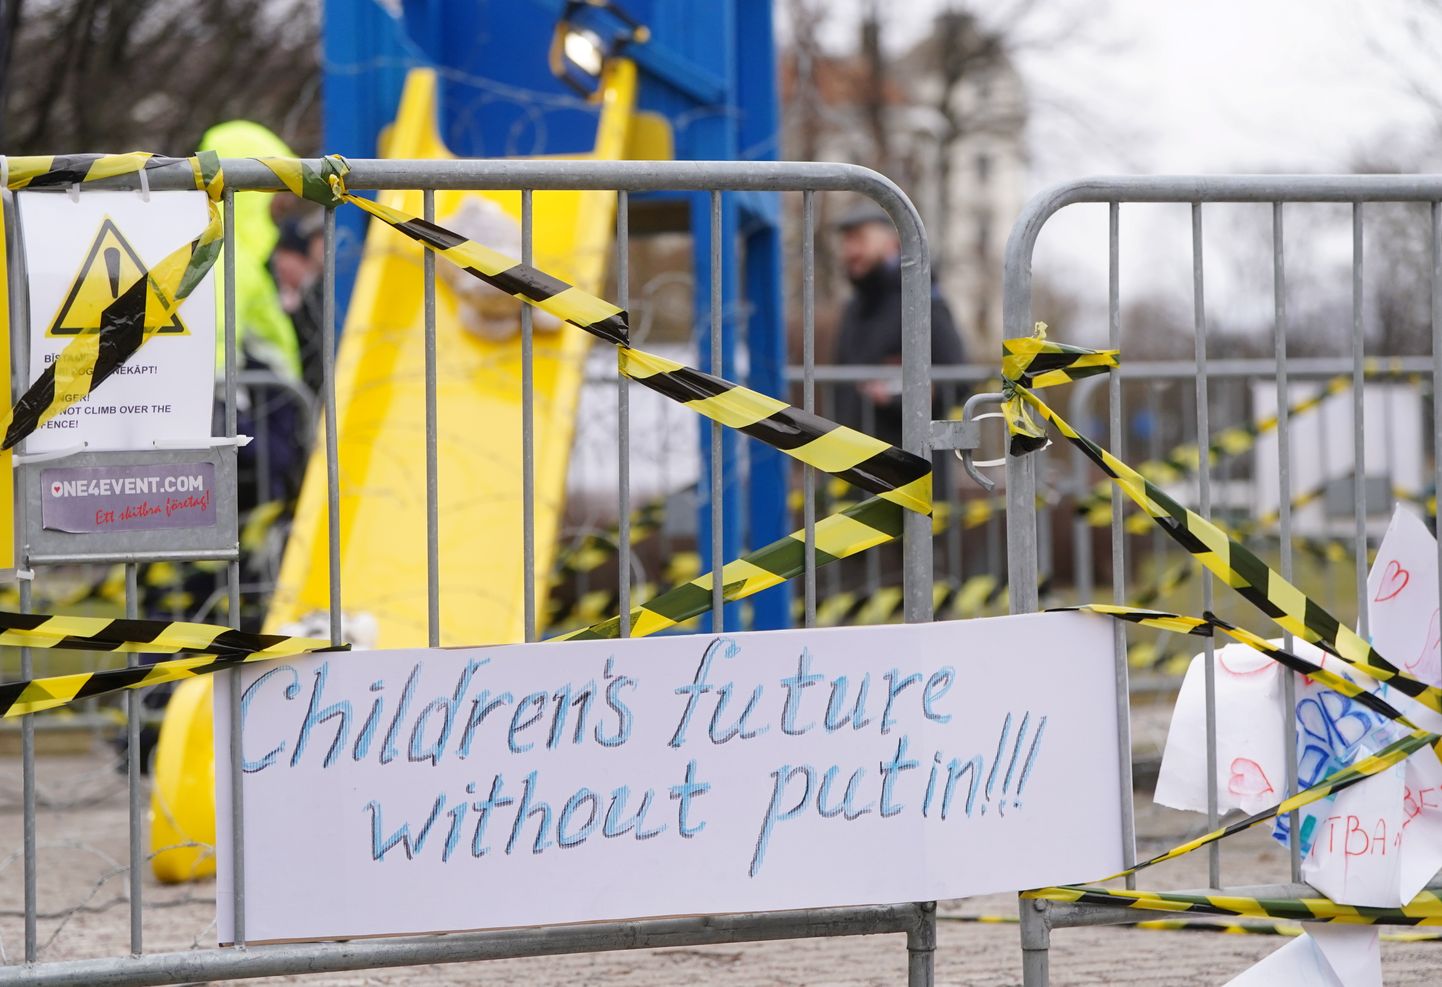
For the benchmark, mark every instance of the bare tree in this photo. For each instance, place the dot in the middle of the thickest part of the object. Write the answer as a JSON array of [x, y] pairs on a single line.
[[85, 75], [10, 11], [963, 49], [806, 122], [873, 96]]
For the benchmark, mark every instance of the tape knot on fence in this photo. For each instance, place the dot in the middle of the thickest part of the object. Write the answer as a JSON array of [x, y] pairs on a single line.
[[1035, 362], [325, 187]]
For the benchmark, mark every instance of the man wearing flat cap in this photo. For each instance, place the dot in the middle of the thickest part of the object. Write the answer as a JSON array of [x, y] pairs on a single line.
[[870, 330]]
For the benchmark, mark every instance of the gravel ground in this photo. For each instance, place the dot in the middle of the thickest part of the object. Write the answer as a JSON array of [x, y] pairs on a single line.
[[83, 880]]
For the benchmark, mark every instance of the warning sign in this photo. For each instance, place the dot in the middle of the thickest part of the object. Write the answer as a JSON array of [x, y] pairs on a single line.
[[111, 267], [80, 255]]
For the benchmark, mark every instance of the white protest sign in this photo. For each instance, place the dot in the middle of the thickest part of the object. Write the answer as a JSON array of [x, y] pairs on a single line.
[[413, 791], [1380, 842], [1251, 720], [1324, 956], [1402, 601], [80, 254]]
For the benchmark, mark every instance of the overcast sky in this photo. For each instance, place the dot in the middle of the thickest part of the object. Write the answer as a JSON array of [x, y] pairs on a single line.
[[1225, 85], [1174, 86]]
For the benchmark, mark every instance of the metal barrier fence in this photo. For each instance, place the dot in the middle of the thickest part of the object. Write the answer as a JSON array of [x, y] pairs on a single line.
[[916, 921], [1025, 560], [169, 591], [968, 577]]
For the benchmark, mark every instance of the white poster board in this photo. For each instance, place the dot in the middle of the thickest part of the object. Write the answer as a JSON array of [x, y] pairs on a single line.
[[396, 792], [79, 255]]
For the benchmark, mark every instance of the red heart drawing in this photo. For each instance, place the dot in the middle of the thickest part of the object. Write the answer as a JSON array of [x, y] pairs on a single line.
[[1248, 778], [1244, 661], [55, 489], [1425, 665], [1394, 580]]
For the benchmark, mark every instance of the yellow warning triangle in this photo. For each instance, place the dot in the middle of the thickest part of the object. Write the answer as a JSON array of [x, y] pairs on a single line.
[[111, 267]]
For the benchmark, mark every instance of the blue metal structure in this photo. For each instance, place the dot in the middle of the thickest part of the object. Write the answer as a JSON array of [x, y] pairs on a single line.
[[708, 68]]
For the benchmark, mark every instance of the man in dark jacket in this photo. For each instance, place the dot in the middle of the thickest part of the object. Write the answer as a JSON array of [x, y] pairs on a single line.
[[870, 331]]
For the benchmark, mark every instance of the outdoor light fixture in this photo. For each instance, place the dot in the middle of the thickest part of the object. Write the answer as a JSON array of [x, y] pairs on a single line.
[[578, 54]]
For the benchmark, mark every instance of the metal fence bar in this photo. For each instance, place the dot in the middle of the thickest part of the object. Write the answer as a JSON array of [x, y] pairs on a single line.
[[1159, 540], [1119, 571], [528, 431], [1204, 497], [132, 769], [433, 520], [20, 366], [623, 421], [237, 776], [1284, 516], [718, 549], [332, 447], [27, 796], [364, 954], [1083, 563], [1435, 241], [1021, 580], [808, 392], [1359, 455]]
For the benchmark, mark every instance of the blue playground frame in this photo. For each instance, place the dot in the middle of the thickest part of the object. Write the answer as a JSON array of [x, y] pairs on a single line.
[[709, 68]]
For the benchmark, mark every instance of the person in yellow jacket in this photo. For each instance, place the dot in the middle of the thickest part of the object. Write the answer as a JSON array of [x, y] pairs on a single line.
[[263, 332]]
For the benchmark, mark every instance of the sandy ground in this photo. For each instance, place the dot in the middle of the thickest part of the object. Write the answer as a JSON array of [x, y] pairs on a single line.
[[84, 912]]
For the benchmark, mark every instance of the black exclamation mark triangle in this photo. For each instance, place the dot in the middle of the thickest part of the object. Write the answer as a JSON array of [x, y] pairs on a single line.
[[95, 288], [112, 270]]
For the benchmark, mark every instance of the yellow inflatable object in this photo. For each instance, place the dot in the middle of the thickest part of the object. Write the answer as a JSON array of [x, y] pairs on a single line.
[[380, 401]]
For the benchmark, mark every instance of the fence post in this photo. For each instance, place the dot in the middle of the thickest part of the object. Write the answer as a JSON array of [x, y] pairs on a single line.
[[1035, 941], [921, 947]]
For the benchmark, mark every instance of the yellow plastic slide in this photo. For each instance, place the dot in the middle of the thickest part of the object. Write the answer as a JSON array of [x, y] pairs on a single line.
[[380, 400]]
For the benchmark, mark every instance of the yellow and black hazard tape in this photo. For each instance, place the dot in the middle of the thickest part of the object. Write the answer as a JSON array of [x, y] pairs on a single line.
[[214, 648], [1171, 579], [1239, 568], [593, 606], [594, 549], [1033, 361], [866, 462], [529, 284], [1221, 904], [872, 522], [1232, 562], [1152, 656], [899, 480], [1185, 459], [974, 596], [60, 171], [1206, 625], [860, 459], [1251, 927], [1425, 909], [138, 311], [598, 604]]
